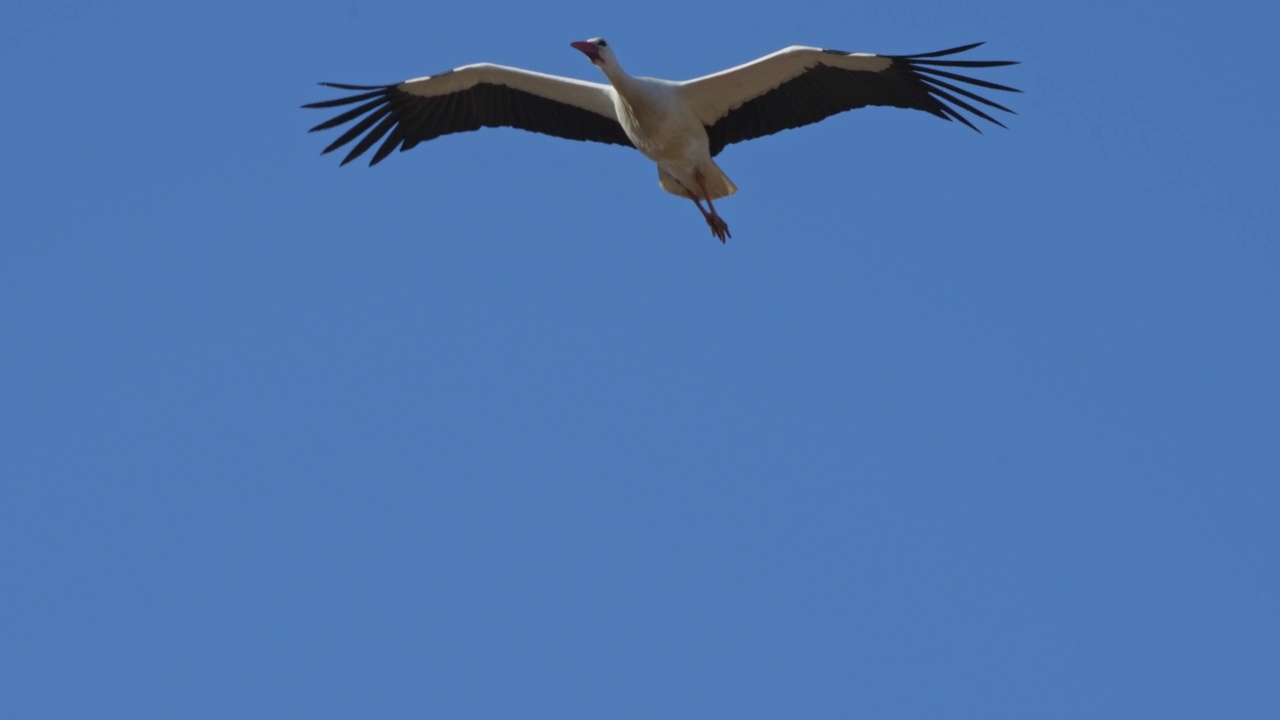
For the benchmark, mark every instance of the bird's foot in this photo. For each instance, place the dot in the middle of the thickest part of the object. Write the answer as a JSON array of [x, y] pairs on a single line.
[[719, 227]]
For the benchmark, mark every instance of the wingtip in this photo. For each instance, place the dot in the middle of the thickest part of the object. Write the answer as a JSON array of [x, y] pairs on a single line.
[[942, 53], [349, 86]]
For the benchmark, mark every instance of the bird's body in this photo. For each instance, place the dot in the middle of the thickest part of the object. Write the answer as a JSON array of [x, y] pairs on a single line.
[[680, 126], [667, 132]]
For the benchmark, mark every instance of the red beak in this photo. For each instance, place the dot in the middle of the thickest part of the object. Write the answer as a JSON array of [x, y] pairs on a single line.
[[588, 49]]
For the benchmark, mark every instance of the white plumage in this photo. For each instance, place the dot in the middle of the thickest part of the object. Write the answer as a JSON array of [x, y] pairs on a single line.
[[681, 126]]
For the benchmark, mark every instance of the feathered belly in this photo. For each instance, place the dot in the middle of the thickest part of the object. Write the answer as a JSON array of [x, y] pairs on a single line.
[[671, 149], [664, 139], [678, 144]]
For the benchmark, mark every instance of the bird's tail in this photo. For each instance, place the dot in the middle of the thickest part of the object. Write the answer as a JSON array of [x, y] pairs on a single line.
[[718, 184]]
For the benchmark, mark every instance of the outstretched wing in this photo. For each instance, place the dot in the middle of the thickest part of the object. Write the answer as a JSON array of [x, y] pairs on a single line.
[[802, 85], [469, 98]]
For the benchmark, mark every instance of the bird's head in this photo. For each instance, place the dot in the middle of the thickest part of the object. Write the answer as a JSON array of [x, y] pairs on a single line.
[[597, 51]]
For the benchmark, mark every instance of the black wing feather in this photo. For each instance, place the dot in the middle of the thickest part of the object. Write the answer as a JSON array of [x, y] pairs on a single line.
[[371, 137], [357, 130], [408, 119], [348, 116], [911, 81]]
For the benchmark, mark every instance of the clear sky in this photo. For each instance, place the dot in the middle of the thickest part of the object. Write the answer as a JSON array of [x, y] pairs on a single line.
[[956, 425]]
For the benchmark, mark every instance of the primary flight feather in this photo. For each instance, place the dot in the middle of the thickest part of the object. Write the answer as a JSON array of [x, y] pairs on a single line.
[[681, 126]]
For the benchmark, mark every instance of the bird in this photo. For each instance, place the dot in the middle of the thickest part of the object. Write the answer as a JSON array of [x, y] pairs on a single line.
[[680, 126]]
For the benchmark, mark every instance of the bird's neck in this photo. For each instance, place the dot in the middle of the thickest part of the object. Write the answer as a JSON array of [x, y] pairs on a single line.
[[628, 88], [617, 76]]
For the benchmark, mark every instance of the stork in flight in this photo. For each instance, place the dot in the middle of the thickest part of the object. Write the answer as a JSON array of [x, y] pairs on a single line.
[[680, 126]]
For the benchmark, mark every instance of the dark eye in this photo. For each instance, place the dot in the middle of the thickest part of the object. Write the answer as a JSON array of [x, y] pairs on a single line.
[[602, 44]]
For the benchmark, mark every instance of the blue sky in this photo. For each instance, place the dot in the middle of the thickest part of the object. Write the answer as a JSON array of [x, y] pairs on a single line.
[[956, 425]]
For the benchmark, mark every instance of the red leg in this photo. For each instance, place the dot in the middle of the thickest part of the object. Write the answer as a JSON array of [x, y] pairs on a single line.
[[719, 227]]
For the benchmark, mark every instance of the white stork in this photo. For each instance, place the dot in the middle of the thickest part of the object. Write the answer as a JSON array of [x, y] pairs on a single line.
[[681, 126]]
